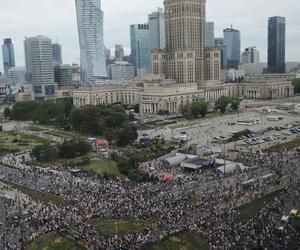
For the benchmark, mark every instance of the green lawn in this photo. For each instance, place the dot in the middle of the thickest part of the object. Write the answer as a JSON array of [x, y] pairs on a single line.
[[102, 167], [62, 134], [121, 227], [250, 210], [11, 142], [55, 241], [36, 195], [38, 128], [182, 241]]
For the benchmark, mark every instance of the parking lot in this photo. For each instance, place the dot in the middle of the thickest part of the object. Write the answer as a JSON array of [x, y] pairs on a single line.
[[265, 131]]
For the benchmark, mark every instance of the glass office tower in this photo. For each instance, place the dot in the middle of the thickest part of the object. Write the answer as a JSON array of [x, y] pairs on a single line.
[[92, 52], [276, 45]]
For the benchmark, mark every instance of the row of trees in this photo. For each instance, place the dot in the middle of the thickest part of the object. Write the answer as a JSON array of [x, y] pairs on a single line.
[[45, 113], [224, 103], [68, 150], [199, 108], [110, 122]]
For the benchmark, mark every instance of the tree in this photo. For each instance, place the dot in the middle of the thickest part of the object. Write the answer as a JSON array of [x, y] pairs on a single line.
[[296, 84], [45, 152], [74, 148], [23, 111], [199, 108], [222, 103], [235, 103], [127, 135], [195, 109], [187, 111], [7, 113]]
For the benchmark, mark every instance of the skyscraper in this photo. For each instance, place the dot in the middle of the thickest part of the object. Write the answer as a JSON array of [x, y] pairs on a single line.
[[139, 39], [119, 52], [209, 34], [250, 55], [57, 53], [63, 74], [90, 30], [183, 57], [276, 44], [8, 55], [39, 65], [156, 21], [232, 42], [219, 43]]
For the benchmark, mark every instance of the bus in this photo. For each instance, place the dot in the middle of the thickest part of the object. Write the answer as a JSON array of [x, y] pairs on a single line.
[[274, 118], [248, 122]]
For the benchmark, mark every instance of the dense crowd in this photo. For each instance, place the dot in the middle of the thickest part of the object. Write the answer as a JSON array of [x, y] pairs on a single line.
[[212, 215]]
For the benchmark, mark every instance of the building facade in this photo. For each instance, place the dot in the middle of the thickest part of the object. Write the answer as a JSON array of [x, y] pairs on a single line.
[[219, 43], [140, 48], [250, 55], [18, 74], [91, 41], [166, 96], [63, 74], [156, 21], [261, 90], [8, 55], [154, 96], [119, 52], [121, 71], [212, 64], [209, 35], [232, 43], [57, 53], [276, 44], [184, 56], [39, 66]]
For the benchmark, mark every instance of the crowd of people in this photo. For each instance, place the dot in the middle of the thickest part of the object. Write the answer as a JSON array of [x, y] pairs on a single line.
[[212, 216]]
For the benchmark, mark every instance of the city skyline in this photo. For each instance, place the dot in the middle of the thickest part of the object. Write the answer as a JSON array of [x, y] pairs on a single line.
[[254, 31]]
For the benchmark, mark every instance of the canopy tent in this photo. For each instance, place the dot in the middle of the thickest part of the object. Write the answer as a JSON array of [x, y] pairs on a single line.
[[230, 168], [101, 142], [166, 177], [179, 158]]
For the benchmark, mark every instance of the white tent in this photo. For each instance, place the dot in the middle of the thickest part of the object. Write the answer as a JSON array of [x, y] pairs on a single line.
[[230, 168]]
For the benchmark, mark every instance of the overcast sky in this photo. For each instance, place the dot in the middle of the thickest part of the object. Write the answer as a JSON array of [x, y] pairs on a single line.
[[57, 19]]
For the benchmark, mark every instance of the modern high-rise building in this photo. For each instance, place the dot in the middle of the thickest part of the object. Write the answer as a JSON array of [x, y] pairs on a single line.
[[39, 65], [276, 44], [219, 43], [209, 34], [8, 55], [91, 41], [63, 74], [119, 52], [121, 71], [18, 74], [183, 57], [156, 21], [140, 51], [57, 53], [250, 55], [107, 55], [232, 42]]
